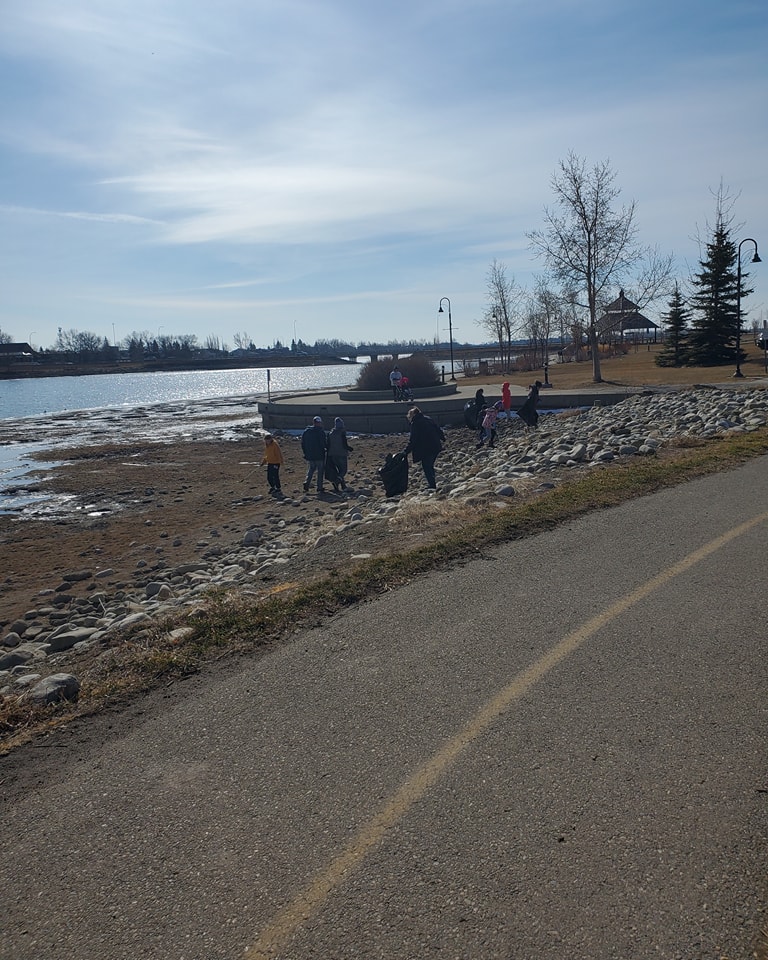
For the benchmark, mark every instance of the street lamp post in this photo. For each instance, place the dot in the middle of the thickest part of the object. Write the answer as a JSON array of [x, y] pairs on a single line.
[[755, 259], [450, 329]]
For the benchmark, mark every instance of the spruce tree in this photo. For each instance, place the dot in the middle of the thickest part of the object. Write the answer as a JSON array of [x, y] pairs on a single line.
[[676, 350], [715, 324]]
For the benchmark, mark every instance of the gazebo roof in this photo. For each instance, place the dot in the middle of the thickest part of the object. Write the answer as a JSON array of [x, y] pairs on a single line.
[[623, 314]]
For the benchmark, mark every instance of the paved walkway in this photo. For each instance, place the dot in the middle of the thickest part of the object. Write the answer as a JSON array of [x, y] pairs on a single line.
[[556, 749]]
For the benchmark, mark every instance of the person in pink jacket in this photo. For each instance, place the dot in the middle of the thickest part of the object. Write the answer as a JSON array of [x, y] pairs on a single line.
[[489, 425]]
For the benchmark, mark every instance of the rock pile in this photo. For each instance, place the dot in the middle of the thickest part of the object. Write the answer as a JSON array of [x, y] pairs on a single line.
[[35, 647]]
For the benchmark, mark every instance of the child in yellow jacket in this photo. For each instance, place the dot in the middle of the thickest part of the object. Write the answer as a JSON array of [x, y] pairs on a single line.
[[273, 457]]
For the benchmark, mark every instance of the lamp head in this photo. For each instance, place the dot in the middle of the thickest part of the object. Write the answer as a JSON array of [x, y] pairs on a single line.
[[440, 309], [756, 258]]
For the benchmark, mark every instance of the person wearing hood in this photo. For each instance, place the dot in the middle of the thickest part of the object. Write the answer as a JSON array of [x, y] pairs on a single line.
[[338, 449], [506, 400], [528, 413]]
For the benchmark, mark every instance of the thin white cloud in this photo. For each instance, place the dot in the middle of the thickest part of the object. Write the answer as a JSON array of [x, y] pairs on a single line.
[[128, 218], [224, 304]]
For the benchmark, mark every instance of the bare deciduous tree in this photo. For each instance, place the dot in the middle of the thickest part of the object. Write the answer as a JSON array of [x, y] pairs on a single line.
[[586, 242], [499, 320], [242, 341]]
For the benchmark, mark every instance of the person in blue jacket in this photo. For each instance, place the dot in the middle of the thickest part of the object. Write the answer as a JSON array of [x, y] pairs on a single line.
[[313, 446]]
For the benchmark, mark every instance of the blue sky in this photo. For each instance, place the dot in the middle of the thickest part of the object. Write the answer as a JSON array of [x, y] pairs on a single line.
[[331, 168]]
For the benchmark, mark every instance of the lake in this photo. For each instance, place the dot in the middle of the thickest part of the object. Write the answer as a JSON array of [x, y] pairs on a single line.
[[39, 415], [35, 396]]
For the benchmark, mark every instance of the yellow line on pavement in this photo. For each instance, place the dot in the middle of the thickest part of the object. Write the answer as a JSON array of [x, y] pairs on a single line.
[[276, 935]]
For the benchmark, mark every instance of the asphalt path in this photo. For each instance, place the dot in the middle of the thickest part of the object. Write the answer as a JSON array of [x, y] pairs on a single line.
[[556, 749]]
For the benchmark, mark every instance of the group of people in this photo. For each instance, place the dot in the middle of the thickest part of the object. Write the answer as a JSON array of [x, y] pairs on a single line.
[[326, 455], [401, 388], [487, 414]]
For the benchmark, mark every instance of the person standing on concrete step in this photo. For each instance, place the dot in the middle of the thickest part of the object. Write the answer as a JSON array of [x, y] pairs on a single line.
[[338, 450], [394, 381], [313, 447], [273, 457], [425, 443]]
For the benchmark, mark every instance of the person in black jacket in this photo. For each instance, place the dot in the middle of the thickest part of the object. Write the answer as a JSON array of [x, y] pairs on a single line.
[[479, 413], [313, 447], [528, 412], [425, 443]]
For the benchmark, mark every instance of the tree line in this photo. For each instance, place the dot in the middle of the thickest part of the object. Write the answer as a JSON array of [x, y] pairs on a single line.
[[84, 346]]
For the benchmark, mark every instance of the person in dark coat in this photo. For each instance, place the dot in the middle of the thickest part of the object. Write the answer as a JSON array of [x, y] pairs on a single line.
[[313, 447], [425, 443], [527, 412], [338, 450], [479, 413]]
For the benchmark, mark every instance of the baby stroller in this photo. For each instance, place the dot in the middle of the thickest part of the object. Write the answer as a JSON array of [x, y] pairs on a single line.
[[405, 390], [394, 474]]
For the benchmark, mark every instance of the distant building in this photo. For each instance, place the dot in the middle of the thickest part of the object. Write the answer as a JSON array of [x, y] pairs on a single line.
[[16, 353], [623, 317]]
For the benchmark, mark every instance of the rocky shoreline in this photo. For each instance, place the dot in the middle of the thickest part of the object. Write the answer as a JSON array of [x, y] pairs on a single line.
[[39, 651]]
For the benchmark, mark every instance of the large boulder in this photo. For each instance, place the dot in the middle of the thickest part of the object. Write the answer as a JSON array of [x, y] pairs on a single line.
[[57, 687]]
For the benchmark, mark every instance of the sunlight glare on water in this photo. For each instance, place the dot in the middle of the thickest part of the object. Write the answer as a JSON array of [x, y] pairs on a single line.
[[26, 398]]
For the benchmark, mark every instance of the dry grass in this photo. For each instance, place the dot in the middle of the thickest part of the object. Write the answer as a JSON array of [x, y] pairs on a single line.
[[419, 516], [638, 368]]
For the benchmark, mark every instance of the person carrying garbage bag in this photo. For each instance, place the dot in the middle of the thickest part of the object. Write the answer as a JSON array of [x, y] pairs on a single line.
[[425, 443], [528, 412]]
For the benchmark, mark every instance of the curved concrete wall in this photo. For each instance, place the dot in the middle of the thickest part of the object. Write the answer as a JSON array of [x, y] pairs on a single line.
[[386, 416]]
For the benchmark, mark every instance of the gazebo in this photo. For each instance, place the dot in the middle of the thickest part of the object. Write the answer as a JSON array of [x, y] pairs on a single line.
[[623, 316]]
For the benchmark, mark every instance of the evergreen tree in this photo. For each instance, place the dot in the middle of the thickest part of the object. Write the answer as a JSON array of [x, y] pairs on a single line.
[[715, 324], [675, 352]]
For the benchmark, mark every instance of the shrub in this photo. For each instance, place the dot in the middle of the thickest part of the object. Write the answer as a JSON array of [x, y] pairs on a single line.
[[421, 372]]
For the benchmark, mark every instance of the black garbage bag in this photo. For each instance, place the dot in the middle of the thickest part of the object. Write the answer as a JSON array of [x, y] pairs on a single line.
[[528, 413], [470, 415], [394, 474]]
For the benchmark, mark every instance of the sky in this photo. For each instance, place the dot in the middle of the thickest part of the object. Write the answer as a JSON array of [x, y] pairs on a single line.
[[332, 169]]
